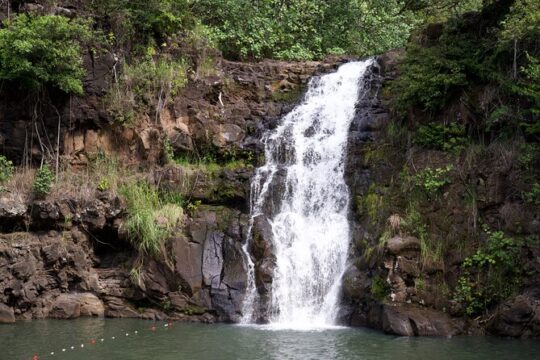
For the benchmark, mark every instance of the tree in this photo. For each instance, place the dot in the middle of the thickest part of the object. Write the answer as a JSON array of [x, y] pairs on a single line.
[[37, 51]]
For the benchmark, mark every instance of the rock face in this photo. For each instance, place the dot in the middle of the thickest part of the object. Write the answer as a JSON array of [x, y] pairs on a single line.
[[409, 245], [66, 257], [265, 262], [409, 320], [518, 317]]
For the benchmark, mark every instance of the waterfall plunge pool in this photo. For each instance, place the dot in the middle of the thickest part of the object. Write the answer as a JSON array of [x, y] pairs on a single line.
[[182, 341]]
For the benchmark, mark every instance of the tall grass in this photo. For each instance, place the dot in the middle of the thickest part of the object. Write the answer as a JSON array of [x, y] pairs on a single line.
[[151, 219]]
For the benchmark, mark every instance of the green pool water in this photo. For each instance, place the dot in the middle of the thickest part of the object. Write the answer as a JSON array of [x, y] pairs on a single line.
[[197, 341]]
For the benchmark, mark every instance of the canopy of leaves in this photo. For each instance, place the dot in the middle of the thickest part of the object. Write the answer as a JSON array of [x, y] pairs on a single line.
[[37, 51], [135, 24], [498, 48], [304, 29]]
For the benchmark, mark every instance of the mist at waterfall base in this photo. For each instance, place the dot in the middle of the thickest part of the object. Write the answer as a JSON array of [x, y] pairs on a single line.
[[310, 227], [23, 340]]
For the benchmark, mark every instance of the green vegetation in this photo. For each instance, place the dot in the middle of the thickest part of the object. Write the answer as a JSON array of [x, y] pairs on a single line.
[[152, 217], [431, 181], [490, 275], [142, 25], [495, 49], [43, 182], [431, 77], [6, 169], [146, 87], [304, 29], [379, 288], [38, 51], [533, 196], [451, 138]]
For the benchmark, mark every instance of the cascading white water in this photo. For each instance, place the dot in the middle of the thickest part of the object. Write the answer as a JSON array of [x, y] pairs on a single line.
[[310, 227]]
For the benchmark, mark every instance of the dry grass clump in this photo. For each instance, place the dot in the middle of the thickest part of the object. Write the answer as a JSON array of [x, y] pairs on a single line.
[[19, 186]]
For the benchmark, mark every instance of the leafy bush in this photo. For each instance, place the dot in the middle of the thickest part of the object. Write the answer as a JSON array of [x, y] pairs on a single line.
[[151, 220], [6, 169], [533, 196], [490, 275], [37, 51], [431, 181], [304, 29], [529, 87], [379, 288], [138, 25], [43, 182], [429, 78], [103, 185], [146, 87], [450, 138]]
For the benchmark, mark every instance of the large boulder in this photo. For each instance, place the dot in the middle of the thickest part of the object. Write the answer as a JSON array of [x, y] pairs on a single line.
[[518, 317], [400, 244], [91, 305], [66, 306], [188, 263], [409, 320], [7, 316]]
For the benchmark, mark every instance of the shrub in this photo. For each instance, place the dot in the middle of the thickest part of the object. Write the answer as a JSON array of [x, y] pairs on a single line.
[[431, 181], [6, 169], [304, 29], [379, 288], [146, 86], [139, 24], [450, 138], [490, 275], [43, 182], [428, 79], [533, 196], [37, 51]]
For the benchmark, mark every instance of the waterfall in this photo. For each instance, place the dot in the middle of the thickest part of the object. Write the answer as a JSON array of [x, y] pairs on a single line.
[[302, 191]]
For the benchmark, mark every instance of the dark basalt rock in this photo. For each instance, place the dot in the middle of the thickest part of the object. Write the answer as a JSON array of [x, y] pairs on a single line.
[[518, 317], [408, 320]]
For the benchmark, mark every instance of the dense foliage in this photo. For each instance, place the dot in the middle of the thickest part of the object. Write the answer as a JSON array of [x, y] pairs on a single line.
[[496, 48], [491, 274], [304, 29], [37, 51], [137, 24], [6, 169], [146, 87], [43, 182]]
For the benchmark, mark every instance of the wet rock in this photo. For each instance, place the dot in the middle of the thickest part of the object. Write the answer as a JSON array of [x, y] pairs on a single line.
[[264, 273], [7, 316], [262, 238], [234, 267]]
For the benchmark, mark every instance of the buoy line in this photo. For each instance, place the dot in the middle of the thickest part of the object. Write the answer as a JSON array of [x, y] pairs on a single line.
[[96, 341]]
